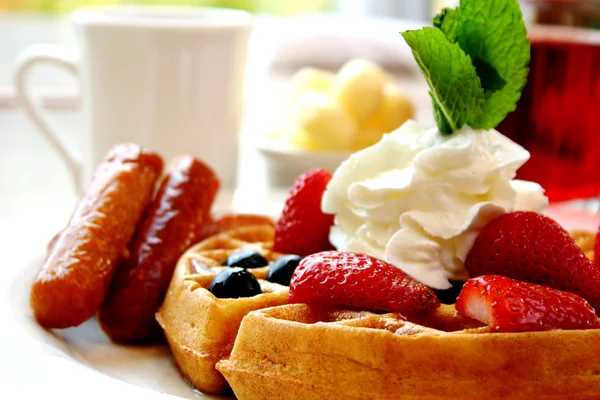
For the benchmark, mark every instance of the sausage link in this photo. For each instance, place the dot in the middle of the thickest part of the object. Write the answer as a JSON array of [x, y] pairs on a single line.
[[76, 275], [181, 207]]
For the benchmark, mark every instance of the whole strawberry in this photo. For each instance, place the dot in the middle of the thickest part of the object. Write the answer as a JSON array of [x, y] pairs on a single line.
[[597, 249], [533, 248], [333, 278], [508, 305], [303, 228]]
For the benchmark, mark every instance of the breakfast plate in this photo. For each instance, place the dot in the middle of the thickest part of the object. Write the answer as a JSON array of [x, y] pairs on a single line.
[[147, 369], [420, 266]]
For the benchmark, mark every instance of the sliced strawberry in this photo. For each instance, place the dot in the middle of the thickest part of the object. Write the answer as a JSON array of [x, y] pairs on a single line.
[[507, 305], [533, 248], [303, 228], [333, 278]]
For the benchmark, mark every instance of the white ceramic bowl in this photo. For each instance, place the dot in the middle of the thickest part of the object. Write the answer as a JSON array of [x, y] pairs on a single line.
[[284, 165]]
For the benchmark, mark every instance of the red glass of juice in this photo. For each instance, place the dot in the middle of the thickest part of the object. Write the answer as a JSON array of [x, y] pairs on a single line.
[[558, 116]]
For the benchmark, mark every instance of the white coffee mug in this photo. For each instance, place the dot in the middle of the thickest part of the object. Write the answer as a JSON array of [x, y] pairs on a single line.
[[168, 78]]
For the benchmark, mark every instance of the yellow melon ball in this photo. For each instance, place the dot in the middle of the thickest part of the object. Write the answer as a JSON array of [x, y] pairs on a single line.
[[367, 138], [359, 88], [394, 111], [311, 79], [299, 139], [326, 123]]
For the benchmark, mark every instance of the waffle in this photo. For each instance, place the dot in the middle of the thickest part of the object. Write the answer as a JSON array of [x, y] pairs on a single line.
[[295, 352], [585, 240], [300, 352], [201, 328]]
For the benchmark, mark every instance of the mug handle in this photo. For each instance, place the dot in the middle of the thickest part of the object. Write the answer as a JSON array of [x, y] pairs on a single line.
[[60, 56]]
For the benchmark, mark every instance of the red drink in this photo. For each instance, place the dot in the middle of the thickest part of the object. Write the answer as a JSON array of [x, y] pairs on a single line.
[[558, 116]]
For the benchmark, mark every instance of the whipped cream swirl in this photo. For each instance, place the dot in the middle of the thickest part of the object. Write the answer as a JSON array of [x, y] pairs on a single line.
[[418, 199]]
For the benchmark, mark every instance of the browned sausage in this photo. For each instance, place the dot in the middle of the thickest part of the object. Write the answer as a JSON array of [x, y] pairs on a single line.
[[181, 207], [76, 275]]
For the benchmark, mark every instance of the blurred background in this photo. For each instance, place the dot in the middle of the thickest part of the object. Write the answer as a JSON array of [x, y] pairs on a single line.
[[24, 22], [289, 35], [283, 7]]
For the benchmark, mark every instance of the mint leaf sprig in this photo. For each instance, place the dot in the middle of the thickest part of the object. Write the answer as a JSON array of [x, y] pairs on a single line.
[[475, 60], [454, 85]]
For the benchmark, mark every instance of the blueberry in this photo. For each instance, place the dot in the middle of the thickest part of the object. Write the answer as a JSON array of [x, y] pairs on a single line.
[[281, 271], [448, 296], [233, 283], [246, 259]]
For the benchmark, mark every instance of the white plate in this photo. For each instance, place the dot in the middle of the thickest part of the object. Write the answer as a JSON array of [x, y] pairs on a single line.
[[149, 367]]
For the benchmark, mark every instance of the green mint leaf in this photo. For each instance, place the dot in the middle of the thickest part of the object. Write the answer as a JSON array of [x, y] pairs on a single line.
[[493, 34], [454, 85], [440, 119], [446, 21]]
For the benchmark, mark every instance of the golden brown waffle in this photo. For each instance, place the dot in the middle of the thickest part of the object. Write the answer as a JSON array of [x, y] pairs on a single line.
[[295, 352], [585, 240], [201, 328], [299, 352]]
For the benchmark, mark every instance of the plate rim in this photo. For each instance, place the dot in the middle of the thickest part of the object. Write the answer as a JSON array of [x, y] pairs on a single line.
[[21, 314]]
